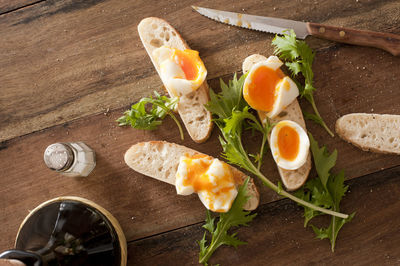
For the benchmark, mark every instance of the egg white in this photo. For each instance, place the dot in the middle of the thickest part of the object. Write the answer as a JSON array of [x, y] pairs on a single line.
[[182, 174], [304, 146], [172, 74], [223, 201], [286, 92], [215, 174]]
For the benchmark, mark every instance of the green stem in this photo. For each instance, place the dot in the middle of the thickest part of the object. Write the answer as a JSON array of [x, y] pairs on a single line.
[[264, 130], [168, 111], [206, 257], [333, 241], [311, 100], [212, 247], [251, 168], [260, 159], [283, 193], [177, 123]]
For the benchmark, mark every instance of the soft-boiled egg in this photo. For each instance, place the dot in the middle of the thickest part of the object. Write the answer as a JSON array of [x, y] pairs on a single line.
[[211, 178], [289, 145], [267, 89], [181, 71]]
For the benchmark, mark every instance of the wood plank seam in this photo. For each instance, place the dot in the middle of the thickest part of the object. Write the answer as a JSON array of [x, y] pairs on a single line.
[[386, 176], [20, 7]]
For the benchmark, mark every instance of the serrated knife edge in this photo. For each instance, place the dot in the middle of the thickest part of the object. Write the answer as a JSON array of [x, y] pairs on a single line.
[[259, 23]]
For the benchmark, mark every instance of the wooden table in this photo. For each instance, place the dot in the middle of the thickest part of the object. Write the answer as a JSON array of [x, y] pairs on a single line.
[[68, 69]]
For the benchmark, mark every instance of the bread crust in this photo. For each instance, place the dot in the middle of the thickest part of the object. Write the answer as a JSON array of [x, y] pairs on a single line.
[[155, 32], [371, 132], [160, 160], [291, 179]]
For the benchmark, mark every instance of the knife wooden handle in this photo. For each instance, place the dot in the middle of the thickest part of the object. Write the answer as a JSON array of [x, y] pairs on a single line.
[[386, 41]]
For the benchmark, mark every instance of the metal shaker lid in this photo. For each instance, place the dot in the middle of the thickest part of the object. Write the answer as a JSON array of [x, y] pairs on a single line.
[[58, 156]]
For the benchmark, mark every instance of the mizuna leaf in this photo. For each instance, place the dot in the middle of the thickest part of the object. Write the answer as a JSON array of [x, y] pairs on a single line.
[[299, 59], [322, 159], [235, 217], [327, 190], [138, 117]]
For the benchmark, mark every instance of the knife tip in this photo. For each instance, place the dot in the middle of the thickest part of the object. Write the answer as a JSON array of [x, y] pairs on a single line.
[[195, 7]]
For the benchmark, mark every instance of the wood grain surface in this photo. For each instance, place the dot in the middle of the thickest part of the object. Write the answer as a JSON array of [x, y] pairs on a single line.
[[10, 6], [62, 60], [143, 206], [277, 236], [68, 69]]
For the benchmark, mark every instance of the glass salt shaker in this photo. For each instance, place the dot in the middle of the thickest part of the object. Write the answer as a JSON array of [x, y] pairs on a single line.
[[70, 159]]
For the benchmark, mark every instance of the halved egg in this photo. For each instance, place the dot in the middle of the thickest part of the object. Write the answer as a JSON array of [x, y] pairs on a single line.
[[267, 89], [181, 71], [289, 145], [211, 178]]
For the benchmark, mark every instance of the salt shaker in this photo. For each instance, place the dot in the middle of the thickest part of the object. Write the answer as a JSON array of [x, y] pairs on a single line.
[[70, 159]]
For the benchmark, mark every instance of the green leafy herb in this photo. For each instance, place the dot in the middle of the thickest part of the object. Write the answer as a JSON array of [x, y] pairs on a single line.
[[235, 217], [230, 98], [232, 115], [326, 191], [231, 111], [299, 59], [231, 125], [138, 117]]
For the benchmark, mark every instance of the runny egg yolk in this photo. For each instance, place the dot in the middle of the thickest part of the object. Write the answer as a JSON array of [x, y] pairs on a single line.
[[195, 174], [187, 60], [260, 93], [288, 143], [181, 71], [210, 178]]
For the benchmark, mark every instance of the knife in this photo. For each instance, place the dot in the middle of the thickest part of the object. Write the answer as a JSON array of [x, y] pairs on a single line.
[[386, 41]]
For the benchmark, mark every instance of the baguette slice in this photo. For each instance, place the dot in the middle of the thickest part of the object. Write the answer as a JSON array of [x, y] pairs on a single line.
[[156, 32], [160, 160], [292, 179], [371, 132]]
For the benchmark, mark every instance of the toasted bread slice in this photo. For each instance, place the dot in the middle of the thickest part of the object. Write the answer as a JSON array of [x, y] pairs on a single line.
[[160, 160], [292, 179], [156, 32], [371, 132]]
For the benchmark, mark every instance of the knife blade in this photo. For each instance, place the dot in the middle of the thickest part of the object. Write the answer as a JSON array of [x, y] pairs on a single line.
[[265, 24], [386, 41]]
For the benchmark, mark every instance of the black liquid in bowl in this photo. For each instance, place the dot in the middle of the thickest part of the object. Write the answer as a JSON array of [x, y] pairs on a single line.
[[69, 232]]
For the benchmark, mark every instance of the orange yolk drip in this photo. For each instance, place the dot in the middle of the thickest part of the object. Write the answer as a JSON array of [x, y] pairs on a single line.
[[195, 173], [260, 93], [197, 178], [288, 143], [187, 61]]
